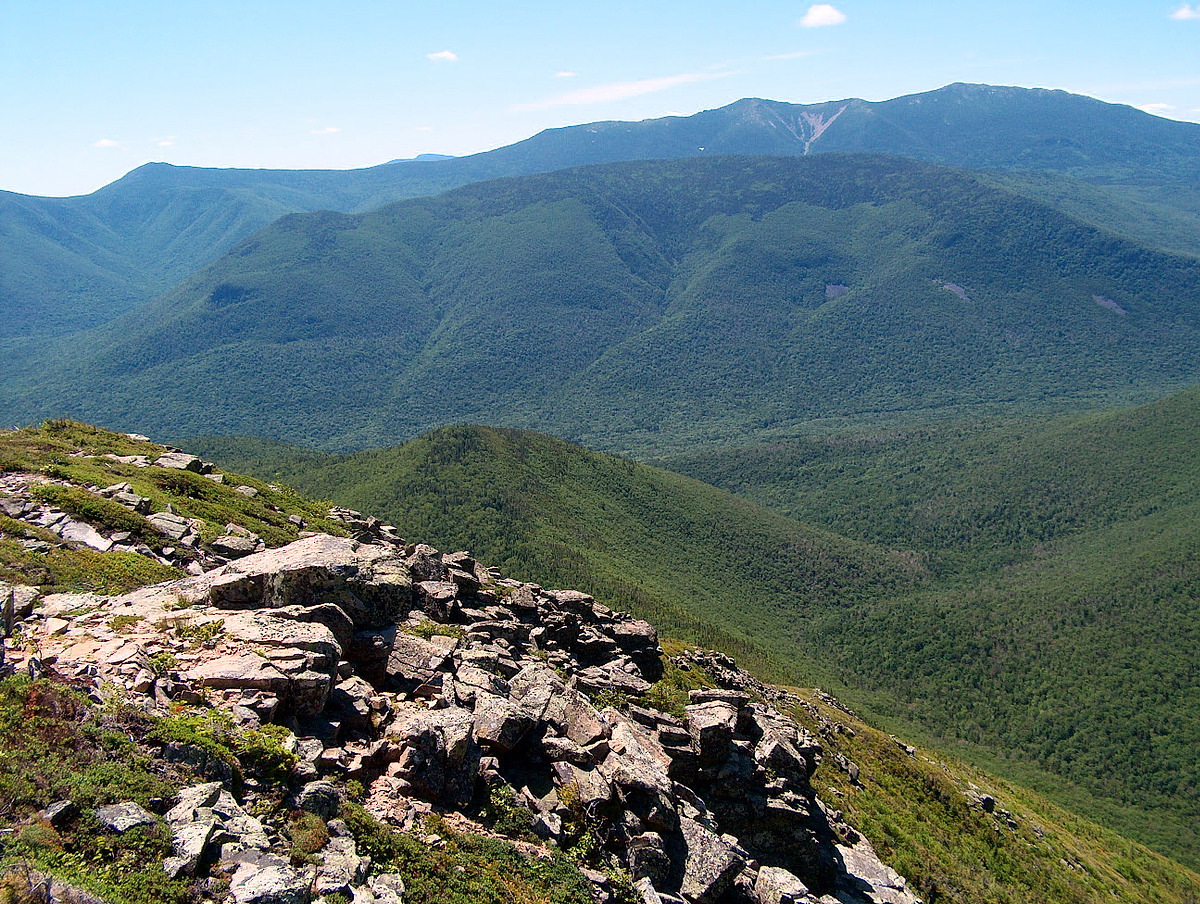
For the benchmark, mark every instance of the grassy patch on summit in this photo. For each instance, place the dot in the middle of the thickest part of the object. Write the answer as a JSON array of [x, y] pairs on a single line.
[[76, 460]]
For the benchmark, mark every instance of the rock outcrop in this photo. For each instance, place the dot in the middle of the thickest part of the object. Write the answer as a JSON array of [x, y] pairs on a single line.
[[439, 685]]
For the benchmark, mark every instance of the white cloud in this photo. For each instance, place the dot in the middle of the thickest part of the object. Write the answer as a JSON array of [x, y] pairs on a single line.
[[168, 142], [423, 128], [328, 130], [822, 14], [1187, 11], [106, 143], [565, 73], [614, 91], [443, 56], [794, 55], [1157, 109]]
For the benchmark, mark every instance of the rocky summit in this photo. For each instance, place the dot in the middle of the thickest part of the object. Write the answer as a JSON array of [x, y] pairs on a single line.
[[436, 693]]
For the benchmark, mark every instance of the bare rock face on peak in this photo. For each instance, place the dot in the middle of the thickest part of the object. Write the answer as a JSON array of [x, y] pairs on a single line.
[[370, 582], [437, 684]]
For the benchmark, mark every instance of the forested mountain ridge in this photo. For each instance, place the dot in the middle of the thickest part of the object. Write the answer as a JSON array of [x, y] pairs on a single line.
[[191, 742], [1064, 556], [644, 306], [994, 602], [70, 263], [677, 550], [968, 486]]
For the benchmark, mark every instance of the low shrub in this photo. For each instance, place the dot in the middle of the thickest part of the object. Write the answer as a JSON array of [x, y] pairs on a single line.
[[120, 622], [308, 834], [505, 814], [466, 869], [258, 751], [263, 752], [430, 628]]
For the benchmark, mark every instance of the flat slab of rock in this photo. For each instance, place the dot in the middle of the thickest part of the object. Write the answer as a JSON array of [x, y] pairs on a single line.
[[22, 598], [59, 813], [79, 532], [712, 725], [190, 841], [873, 879], [233, 547], [180, 461], [169, 525], [369, 581], [247, 671], [270, 880], [191, 799], [499, 724], [125, 816], [271, 633]]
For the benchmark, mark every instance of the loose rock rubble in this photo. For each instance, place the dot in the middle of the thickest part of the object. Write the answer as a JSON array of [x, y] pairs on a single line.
[[438, 684]]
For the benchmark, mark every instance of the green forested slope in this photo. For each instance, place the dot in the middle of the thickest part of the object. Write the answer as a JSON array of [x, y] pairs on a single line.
[[74, 263], [1060, 623], [1043, 609], [699, 561], [1165, 216], [59, 270], [648, 306], [913, 808], [997, 488]]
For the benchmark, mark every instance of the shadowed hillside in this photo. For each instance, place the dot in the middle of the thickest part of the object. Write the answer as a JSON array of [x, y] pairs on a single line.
[[648, 307]]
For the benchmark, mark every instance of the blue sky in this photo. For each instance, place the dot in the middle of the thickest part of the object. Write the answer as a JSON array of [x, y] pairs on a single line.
[[90, 90]]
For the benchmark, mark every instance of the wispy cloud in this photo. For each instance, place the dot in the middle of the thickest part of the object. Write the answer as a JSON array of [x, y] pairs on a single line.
[[794, 55], [821, 14], [443, 56], [614, 91], [106, 143], [168, 142], [422, 128], [1187, 11], [1157, 109], [328, 130], [565, 73]]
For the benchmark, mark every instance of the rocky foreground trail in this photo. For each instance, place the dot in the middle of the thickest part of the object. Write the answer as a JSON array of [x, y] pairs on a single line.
[[425, 683]]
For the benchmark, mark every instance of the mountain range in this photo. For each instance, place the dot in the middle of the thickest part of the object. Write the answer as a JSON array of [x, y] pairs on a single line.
[[71, 263], [643, 307]]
